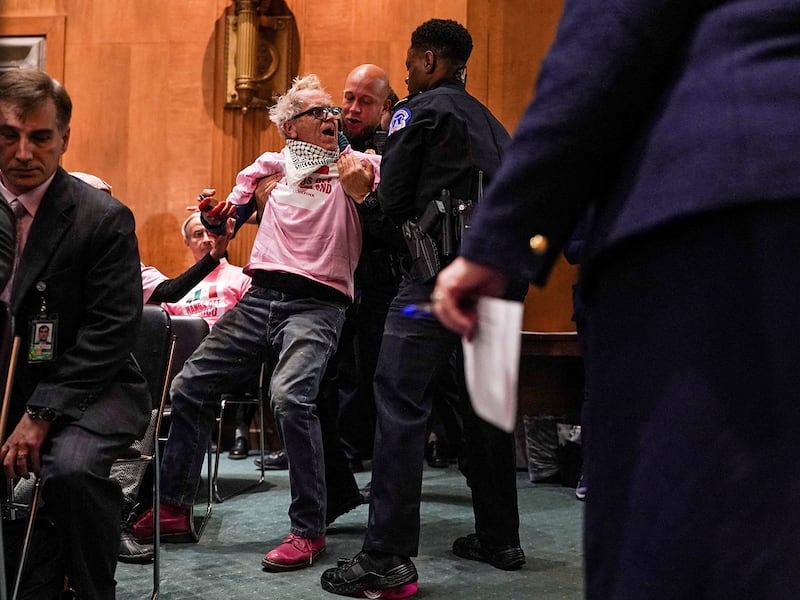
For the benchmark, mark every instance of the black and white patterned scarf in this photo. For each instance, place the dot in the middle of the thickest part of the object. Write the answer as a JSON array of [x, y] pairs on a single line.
[[306, 158]]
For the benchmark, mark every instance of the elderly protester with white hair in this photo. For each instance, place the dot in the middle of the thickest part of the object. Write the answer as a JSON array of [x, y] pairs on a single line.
[[302, 264]]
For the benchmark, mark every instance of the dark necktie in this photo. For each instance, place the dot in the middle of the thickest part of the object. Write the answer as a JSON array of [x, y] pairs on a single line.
[[19, 212]]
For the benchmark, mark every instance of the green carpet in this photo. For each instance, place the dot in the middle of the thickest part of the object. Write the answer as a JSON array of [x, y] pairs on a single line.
[[226, 563]]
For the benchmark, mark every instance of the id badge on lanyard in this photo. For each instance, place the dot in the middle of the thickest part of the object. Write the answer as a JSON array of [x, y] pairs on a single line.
[[42, 332]]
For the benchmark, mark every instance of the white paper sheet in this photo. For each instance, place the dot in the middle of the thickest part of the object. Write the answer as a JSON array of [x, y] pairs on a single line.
[[491, 361]]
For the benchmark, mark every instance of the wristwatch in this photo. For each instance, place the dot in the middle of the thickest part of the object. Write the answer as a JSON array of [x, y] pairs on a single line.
[[370, 200], [41, 413]]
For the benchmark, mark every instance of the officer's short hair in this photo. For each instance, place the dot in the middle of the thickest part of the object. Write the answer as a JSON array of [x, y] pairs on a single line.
[[446, 38]]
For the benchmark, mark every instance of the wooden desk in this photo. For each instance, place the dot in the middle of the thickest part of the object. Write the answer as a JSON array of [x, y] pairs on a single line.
[[546, 343], [550, 380], [550, 374]]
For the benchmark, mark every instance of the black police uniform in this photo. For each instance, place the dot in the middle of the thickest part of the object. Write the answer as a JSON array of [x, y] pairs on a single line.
[[439, 139], [377, 277]]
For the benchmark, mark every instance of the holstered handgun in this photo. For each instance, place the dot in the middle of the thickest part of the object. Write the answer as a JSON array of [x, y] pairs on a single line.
[[434, 239], [425, 256]]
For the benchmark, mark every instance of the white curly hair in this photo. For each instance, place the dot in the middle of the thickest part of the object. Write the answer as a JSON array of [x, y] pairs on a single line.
[[288, 105]]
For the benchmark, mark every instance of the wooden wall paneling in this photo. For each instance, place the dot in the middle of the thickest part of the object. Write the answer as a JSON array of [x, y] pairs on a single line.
[[140, 74], [352, 33], [503, 77], [98, 78]]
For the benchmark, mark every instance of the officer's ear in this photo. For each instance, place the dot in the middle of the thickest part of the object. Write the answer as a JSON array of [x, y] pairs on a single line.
[[429, 61]]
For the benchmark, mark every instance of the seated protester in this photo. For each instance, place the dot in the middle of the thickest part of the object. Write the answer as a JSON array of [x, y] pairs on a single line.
[[157, 287], [302, 264], [218, 291]]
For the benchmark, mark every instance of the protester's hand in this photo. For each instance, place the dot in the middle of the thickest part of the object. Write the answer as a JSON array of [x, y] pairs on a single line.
[[214, 211], [457, 290], [21, 453], [357, 178], [221, 240], [263, 189], [206, 200]]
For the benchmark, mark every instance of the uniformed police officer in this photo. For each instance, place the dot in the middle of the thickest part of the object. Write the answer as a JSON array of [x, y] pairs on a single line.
[[441, 138]]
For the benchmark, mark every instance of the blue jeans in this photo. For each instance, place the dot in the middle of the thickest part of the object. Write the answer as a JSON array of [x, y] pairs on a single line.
[[298, 335]]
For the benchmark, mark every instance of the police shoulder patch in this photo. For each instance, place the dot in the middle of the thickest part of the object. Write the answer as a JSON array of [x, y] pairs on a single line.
[[399, 119]]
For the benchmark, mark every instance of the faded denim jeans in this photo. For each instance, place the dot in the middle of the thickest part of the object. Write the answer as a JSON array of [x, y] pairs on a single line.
[[298, 336]]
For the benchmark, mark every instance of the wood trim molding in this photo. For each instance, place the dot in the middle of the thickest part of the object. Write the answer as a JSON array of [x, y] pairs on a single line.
[[52, 27]]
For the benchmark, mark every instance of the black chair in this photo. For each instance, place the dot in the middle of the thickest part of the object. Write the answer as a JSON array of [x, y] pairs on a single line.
[[9, 347], [154, 351], [258, 400], [189, 333]]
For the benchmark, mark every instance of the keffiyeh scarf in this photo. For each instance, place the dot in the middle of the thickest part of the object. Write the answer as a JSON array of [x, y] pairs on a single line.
[[306, 158]]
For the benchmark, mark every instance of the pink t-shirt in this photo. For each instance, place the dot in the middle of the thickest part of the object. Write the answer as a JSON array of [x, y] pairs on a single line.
[[312, 230], [218, 292], [151, 277]]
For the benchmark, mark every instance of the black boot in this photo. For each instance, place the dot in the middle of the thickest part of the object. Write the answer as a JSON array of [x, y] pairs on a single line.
[[241, 445], [131, 551]]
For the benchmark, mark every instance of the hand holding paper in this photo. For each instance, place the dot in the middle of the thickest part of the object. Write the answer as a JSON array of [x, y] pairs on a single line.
[[491, 361]]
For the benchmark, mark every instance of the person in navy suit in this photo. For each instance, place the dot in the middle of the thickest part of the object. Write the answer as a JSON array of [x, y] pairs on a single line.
[[678, 122], [80, 404]]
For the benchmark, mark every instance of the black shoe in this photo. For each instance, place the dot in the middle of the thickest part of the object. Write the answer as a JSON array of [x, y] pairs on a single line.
[[274, 461], [131, 551], [340, 508], [356, 465], [371, 571], [436, 456], [241, 448], [366, 492], [507, 558]]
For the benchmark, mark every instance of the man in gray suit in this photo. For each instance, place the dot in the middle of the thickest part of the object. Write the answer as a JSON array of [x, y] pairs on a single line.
[[78, 406]]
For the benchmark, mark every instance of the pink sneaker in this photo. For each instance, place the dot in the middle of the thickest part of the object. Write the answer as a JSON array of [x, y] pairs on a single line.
[[393, 593], [294, 552]]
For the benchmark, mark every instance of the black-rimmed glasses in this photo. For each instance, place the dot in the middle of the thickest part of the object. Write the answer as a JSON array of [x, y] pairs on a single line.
[[320, 112]]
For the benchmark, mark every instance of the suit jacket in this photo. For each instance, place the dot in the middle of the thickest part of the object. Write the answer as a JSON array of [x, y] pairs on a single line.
[[8, 242], [655, 111], [82, 260]]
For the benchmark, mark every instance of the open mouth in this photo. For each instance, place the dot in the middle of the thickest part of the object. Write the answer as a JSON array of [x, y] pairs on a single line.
[[329, 130]]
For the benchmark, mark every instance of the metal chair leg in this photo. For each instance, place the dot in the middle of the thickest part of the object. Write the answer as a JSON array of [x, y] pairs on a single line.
[[218, 497], [26, 544], [156, 520], [199, 529]]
